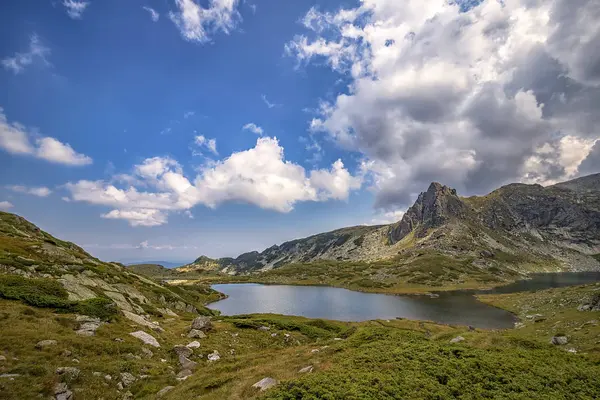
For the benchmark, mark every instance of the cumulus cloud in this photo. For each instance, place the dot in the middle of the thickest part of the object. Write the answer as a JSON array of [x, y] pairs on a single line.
[[154, 15], [16, 139], [474, 96], [252, 127], [259, 176], [385, 218], [196, 23], [40, 191], [5, 205], [75, 8], [36, 51]]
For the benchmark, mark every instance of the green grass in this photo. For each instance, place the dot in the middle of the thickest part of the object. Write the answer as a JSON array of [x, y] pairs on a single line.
[[596, 256]]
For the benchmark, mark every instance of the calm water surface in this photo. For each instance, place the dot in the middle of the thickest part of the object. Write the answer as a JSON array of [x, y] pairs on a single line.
[[459, 307]]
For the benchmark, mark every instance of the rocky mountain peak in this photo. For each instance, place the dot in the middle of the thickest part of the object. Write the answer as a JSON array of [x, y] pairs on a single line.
[[432, 209]]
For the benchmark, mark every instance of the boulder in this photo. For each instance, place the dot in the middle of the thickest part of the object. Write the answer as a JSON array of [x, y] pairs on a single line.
[[265, 383], [193, 345], [186, 363], [146, 338], [182, 350], [214, 356], [184, 374], [202, 323], [196, 334], [127, 379], [264, 328], [559, 340], [457, 339], [138, 319], [306, 370], [45, 343], [62, 392], [88, 325], [164, 391]]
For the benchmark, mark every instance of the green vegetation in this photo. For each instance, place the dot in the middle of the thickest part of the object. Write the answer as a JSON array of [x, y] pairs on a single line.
[[596, 256]]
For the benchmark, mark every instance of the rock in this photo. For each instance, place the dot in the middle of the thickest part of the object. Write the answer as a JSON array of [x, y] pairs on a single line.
[[66, 353], [314, 351], [76, 291], [147, 352], [68, 374], [186, 363], [120, 386], [138, 319], [2, 358], [119, 340], [457, 339], [88, 326], [265, 383], [193, 345], [146, 338], [574, 351], [97, 374], [264, 328], [76, 361], [45, 343], [107, 378], [167, 311], [306, 370], [119, 300], [182, 350], [62, 392], [214, 356], [519, 325], [196, 334], [164, 391], [559, 340], [10, 376], [127, 379], [337, 339], [584, 307], [127, 396], [184, 374], [202, 323]]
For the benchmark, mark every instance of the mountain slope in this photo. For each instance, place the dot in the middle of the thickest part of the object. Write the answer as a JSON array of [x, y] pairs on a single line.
[[521, 227]]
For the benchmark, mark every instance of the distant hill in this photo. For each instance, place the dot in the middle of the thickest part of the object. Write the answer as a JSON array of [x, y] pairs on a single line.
[[166, 264]]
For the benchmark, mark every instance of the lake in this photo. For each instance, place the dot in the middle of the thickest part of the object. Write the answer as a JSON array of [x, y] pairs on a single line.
[[457, 307]]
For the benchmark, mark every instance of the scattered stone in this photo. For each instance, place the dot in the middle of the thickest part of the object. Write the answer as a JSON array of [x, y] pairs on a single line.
[[2, 358], [457, 339], [127, 379], [146, 338], [584, 307], [96, 373], [66, 353], [202, 323], [184, 374], [119, 386], [559, 340], [146, 352], [68, 373], [62, 392], [119, 340], [337, 339], [10, 376], [167, 311], [214, 356], [519, 325], [273, 335], [193, 345], [264, 328], [88, 325], [182, 350], [307, 370], [314, 351], [45, 343], [107, 378], [127, 396], [265, 383], [164, 391], [196, 334], [76, 361], [138, 319], [572, 351], [186, 363]]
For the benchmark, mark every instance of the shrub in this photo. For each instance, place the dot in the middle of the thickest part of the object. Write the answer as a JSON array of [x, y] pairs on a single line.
[[35, 292]]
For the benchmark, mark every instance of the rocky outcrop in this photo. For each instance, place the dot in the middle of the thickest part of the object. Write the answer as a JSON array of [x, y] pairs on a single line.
[[146, 338]]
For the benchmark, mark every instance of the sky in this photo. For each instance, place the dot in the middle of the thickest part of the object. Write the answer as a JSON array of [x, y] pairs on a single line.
[[170, 129]]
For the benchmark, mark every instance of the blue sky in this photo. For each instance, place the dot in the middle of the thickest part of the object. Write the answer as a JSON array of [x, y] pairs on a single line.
[[146, 129]]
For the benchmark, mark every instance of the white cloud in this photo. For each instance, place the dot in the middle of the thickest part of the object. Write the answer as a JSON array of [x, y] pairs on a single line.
[[267, 102], [386, 218], [210, 144], [466, 98], [75, 8], [197, 23], [19, 61], [5, 205], [40, 191], [189, 114], [252, 127], [15, 139], [259, 176], [154, 15]]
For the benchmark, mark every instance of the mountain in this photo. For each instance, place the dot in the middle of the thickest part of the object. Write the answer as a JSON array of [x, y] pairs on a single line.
[[166, 264], [520, 227]]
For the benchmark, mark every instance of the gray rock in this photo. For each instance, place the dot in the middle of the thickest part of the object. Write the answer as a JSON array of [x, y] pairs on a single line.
[[457, 339], [214, 356], [183, 375], [186, 363], [146, 338], [147, 352], [88, 326], [202, 323], [120, 386], [306, 370], [127, 379], [127, 396], [264, 328], [2, 358], [62, 392], [193, 345], [66, 353], [68, 374], [164, 391], [10, 376], [45, 343], [107, 378], [97, 374], [138, 319], [182, 350], [559, 340], [196, 334], [265, 383]]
